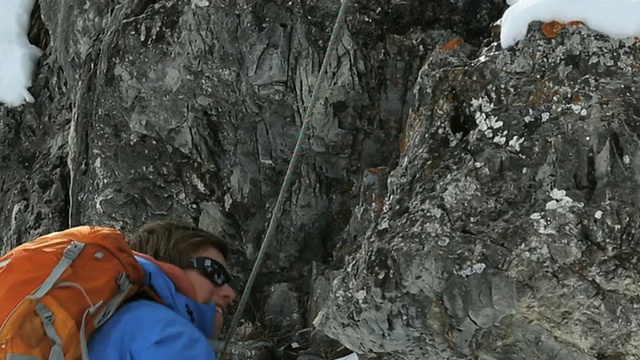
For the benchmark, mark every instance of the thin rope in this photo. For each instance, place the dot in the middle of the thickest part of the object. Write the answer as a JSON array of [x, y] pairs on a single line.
[[277, 210]]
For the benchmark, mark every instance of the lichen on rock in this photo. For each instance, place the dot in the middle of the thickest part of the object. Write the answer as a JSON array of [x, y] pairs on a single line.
[[511, 215]]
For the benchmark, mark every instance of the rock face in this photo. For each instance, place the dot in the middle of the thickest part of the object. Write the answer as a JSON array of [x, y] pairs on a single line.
[[473, 201], [510, 225]]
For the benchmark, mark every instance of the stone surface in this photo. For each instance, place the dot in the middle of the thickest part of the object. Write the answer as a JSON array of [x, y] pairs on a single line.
[[282, 311], [510, 225], [310, 357], [320, 289], [251, 350], [473, 201]]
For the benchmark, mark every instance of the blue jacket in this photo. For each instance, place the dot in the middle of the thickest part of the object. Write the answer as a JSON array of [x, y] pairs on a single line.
[[142, 329]]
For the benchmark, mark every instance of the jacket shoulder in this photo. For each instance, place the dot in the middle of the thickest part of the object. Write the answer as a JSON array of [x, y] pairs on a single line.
[[142, 330]]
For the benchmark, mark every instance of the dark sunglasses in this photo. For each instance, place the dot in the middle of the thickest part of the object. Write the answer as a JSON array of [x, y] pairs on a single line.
[[211, 269]]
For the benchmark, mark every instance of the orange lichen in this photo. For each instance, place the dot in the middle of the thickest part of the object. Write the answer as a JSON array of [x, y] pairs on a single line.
[[451, 44], [403, 142], [542, 97], [576, 98], [551, 29], [409, 127], [544, 94], [377, 170]]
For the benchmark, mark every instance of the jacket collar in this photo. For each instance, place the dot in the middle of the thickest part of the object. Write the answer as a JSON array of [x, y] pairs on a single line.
[[177, 292], [175, 274]]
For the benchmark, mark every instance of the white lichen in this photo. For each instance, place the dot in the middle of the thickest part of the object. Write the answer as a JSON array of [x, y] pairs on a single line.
[[545, 116], [487, 123], [474, 269], [561, 201], [482, 104], [544, 226], [576, 108], [558, 207], [535, 216], [500, 139], [515, 143]]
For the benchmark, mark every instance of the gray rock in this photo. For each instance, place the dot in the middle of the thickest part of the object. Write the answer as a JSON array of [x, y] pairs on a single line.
[[320, 290], [510, 222], [251, 350], [282, 311], [319, 342], [310, 357], [475, 201]]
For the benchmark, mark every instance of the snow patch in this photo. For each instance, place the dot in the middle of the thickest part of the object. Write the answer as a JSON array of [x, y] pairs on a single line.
[[616, 18], [18, 57]]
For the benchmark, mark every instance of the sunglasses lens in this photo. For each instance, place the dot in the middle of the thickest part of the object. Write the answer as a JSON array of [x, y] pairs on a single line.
[[212, 270], [218, 279]]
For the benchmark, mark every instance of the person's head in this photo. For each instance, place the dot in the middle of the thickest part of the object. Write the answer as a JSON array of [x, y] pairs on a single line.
[[201, 254]]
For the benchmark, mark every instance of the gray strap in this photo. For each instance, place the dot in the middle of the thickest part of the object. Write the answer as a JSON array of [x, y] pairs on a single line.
[[47, 318], [4, 263], [83, 334], [83, 327], [111, 306], [70, 254], [21, 357]]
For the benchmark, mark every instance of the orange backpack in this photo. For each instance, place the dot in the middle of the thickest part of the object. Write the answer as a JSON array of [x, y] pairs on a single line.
[[57, 289]]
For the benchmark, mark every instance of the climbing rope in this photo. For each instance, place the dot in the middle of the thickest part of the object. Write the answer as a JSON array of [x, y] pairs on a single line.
[[277, 210]]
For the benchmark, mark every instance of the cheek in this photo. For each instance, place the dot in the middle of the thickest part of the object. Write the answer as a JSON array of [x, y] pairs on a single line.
[[205, 290]]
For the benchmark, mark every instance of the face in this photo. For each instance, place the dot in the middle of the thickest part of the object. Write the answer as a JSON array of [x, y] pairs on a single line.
[[208, 292]]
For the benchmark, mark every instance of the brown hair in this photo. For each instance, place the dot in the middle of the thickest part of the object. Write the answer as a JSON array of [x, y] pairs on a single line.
[[174, 242]]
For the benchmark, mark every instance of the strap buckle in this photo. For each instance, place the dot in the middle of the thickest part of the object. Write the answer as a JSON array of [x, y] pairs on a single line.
[[73, 250]]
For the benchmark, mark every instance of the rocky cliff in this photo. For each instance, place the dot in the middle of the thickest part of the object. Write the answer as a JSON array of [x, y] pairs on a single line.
[[455, 199]]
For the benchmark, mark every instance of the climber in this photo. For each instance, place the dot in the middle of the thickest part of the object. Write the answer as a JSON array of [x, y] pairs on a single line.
[[186, 267]]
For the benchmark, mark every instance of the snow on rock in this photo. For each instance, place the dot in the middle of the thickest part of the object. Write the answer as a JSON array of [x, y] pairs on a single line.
[[616, 18], [18, 57]]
